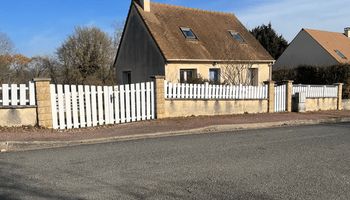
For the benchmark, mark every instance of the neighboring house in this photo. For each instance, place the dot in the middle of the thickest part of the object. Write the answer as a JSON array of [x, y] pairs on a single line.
[[183, 43], [316, 48]]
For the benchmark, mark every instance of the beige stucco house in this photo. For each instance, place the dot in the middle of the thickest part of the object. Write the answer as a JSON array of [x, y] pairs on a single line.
[[184, 43], [316, 48]]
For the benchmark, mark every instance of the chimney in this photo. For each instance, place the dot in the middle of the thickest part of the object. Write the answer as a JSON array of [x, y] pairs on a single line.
[[347, 32], [145, 4]]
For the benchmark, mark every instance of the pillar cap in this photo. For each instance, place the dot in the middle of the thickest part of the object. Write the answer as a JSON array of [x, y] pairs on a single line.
[[338, 84], [288, 81], [42, 79], [269, 82], [158, 77]]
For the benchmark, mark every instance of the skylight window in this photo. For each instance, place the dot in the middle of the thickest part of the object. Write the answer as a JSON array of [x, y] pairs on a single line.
[[340, 54], [236, 36], [188, 33]]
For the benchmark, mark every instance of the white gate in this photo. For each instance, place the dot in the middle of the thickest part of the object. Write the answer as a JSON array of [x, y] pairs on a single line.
[[280, 98], [86, 106]]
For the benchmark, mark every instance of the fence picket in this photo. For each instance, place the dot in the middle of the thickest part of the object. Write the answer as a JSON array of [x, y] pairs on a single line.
[[116, 105], [170, 90], [31, 89], [153, 115], [22, 95], [174, 93], [127, 103], [88, 106], [61, 107], [133, 105], [94, 106], [101, 120], [106, 104], [14, 95], [68, 110], [111, 105], [138, 102], [143, 101], [53, 106], [81, 106], [122, 104], [178, 95], [5, 95], [75, 106], [148, 101]]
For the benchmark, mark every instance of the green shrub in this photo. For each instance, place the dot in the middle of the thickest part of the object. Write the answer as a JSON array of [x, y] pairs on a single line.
[[317, 75]]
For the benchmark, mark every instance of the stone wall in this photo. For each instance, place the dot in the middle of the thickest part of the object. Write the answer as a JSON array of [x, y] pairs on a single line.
[[346, 104], [16, 117], [318, 104], [186, 108]]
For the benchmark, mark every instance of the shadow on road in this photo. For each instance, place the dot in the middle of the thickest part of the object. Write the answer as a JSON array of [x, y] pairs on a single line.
[[14, 185]]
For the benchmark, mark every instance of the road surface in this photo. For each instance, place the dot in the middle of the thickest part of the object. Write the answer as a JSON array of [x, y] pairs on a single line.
[[308, 162]]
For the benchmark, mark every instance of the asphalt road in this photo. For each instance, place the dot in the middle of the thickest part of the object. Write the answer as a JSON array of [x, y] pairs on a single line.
[[311, 162]]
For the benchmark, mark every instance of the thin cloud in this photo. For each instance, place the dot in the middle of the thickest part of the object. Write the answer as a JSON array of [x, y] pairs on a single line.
[[289, 16], [44, 43]]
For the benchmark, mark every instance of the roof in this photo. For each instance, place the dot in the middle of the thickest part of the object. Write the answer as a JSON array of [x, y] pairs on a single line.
[[332, 41], [214, 41]]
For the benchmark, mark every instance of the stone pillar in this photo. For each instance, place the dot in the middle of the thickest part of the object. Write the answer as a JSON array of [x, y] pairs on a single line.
[[43, 102], [289, 94], [340, 96], [271, 96], [159, 95]]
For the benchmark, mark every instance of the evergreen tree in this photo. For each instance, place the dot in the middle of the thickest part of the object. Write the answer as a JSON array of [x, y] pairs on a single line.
[[275, 44]]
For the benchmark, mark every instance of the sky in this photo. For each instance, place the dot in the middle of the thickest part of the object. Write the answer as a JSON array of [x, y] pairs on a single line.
[[38, 27]]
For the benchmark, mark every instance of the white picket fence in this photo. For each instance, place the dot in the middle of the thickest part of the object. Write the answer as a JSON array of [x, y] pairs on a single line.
[[86, 106], [207, 91], [280, 98], [17, 94], [317, 91]]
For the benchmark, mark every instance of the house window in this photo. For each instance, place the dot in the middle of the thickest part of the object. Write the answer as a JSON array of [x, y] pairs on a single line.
[[214, 75], [340, 54], [127, 77], [188, 33], [253, 74], [236, 36], [186, 75]]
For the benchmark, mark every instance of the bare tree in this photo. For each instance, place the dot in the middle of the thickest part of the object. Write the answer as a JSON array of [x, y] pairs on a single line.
[[236, 73], [45, 66], [86, 56], [4, 68], [6, 45]]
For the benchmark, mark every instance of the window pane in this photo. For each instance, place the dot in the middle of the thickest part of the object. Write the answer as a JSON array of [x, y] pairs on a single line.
[[340, 54], [127, 77], [187, 75], [182, 76], [236, 36], [188, 33], [214, 75]]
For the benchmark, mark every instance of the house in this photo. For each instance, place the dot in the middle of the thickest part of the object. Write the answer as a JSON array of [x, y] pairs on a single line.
[[316, 48], [185, 43]]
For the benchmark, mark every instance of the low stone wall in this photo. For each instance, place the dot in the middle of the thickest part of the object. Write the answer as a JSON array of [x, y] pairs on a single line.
[[18, 116], [185, 108], [346, 104], [317, 104]]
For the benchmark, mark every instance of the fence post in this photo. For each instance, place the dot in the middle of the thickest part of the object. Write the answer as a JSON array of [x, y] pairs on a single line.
[[43, 102], [340, 96], [289, 94], [271, 96], [159, 96]]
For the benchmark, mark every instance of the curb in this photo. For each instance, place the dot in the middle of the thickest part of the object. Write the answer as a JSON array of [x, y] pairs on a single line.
[[13, 146]]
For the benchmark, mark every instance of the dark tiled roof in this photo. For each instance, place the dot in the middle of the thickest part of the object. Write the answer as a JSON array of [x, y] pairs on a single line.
[[214, 41]]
